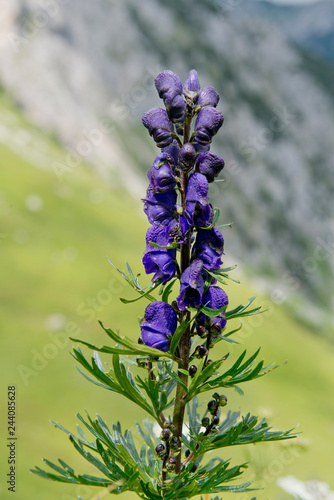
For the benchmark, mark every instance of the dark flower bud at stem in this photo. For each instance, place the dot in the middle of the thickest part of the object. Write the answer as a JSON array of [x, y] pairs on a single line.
[[194, 468], [202, 331], [205, 421], [216, 329], [201, 351], [215, 420], [187, 453], [222, 400], [160, 450], [140, 341], [192, 370], [175, 443], [216, 396], [165, 434], [187, 156], [170, 465], [212, 406]]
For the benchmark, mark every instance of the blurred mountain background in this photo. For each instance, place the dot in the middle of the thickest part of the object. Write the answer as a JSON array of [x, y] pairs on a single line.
[[75, 78]]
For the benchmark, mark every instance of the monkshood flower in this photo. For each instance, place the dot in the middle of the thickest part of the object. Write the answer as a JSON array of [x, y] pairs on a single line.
[[169, 87], [160, 261], [161, 174], [208, 97], [192, 286], [173, 150], [160, 128], [187, 156], [209, 247], [160, 207], [199, 209], [214, 298], [208, 122], [159, 322], [209, 164], [191, 86]]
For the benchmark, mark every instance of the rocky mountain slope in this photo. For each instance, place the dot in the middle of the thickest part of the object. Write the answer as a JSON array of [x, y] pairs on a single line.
[[84, 72]]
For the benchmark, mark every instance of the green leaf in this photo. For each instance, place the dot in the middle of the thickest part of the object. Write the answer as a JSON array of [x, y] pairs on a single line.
[[175, 244], [178, 334], [216, 215], [212, 313]]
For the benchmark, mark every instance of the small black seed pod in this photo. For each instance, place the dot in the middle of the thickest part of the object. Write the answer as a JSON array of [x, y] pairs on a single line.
[[187, 453], [140, 341], [202, 331], [222, 400], [205, 421], [215, 420], [201, 351], [216, 329], [170, 465], [216, 396], [194, 468], [160, 450], [165, 434], [212, 406], [192, 370], [175, 443]]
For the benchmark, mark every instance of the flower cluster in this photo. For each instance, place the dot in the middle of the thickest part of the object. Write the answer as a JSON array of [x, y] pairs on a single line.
[[178, 208]]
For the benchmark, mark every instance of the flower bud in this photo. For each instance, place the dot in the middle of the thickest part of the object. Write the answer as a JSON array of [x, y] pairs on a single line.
[[194, 468], [216, 329], [205, 421], [202, 331], [201, 351], [215, 420], [216, 396], [165, 434], [187, 156], [212, 406], [140, 341], [187, 453], [175, 443], [170, 465], [160, 450], [222, 400], [192, 370]]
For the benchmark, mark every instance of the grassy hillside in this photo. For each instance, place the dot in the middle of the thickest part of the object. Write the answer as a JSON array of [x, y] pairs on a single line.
[[55, 236]]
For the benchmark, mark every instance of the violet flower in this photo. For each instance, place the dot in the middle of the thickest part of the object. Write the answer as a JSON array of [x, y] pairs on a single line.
[[191, 86], [208, 97], [160, 128], [160, 207], [210, 165], [214, 298], [161, 175], [209, 247], [160, 261], [197, 205], [159, 322], [208, 122], [169, 87], [192, 286]]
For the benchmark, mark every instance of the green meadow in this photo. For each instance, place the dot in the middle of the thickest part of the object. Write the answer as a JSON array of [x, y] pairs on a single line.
[[56, 236]]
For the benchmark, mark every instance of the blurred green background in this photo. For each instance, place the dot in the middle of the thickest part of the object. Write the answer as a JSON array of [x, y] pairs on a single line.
[[65, 210]]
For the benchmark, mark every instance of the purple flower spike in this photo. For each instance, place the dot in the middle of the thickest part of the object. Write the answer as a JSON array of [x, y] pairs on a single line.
[[160, 128], [159, 321], [192, 83], [214, 298], [208, 97], [160, 207], [208, 122], [160, 261], [209, 247], [169, 87], [209, 164], [192, 286], [197, 205], [161, 174]]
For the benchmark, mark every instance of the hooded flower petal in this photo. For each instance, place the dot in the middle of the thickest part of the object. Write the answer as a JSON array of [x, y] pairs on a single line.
[[209, 164], [192, 83], [198, 207], [209, 247], [192, 286], [161, 175], [160, 261], [208, 97], [159, 321], [160, 128], [160, 207], [208, 122], [214, 298], [187, 156], [169, 87]]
